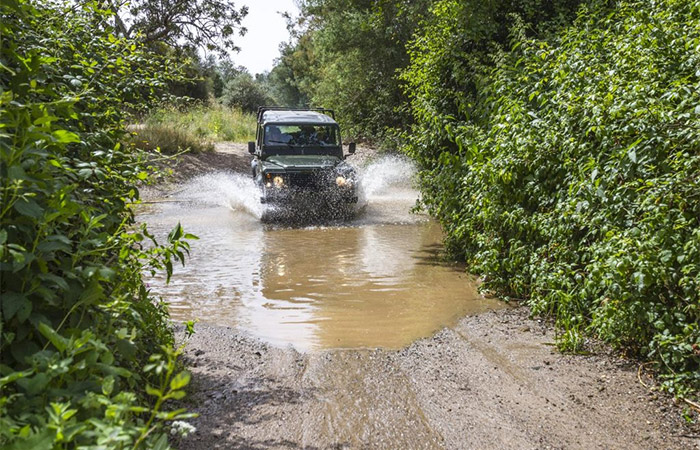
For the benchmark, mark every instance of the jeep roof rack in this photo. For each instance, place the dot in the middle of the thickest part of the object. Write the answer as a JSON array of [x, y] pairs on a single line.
[[262, 109]]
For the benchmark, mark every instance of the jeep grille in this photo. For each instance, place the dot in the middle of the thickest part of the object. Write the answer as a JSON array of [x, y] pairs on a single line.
[[307, 179]]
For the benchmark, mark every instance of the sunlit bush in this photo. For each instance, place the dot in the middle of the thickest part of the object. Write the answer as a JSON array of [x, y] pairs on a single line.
[[571, 177], [86, 353]]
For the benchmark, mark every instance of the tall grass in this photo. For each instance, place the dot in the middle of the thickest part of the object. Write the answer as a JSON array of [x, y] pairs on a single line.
[[207, 123], [169, 139]]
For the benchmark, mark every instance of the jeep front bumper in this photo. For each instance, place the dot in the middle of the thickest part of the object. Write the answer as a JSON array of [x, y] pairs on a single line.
[[281, 196]]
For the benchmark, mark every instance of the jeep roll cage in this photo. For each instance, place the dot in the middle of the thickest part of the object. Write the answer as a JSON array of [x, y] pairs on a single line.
[[295, 116], [263, 109]]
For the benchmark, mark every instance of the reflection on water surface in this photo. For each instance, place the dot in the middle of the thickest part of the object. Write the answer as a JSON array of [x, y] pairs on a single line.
[[376, 281]]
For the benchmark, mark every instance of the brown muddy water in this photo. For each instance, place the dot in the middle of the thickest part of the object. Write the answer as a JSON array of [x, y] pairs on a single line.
[[377, 279]]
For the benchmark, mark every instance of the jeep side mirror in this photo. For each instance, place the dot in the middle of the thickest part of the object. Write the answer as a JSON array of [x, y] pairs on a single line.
[[251, 148], [351, 148]]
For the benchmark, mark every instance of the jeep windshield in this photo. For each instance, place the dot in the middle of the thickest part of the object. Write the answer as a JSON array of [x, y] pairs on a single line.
[[301, 135]]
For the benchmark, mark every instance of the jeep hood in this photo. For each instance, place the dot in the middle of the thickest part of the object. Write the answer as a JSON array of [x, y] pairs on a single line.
[[302, 162]]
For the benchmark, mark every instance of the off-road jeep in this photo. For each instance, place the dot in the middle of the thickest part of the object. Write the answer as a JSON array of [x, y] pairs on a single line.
[[298, 156]]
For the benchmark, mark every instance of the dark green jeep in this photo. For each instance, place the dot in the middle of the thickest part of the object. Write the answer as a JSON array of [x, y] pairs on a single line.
[[298, 155]]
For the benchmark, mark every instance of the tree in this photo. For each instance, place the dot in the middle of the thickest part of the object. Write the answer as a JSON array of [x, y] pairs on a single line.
[[246, 93], [283, 81], [208, 24], [346, 55]]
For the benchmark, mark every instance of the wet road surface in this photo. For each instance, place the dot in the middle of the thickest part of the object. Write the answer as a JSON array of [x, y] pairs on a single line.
[[374, 279], [316, 347]]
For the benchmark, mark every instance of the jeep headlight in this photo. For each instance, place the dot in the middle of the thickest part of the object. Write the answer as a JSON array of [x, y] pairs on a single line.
[[341, 181], [278, 181]]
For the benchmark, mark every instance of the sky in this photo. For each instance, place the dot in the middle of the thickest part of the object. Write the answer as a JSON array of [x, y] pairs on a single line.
[[266, 30]]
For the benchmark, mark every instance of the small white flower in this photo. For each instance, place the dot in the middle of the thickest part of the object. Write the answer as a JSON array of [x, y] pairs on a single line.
[[182, 428]]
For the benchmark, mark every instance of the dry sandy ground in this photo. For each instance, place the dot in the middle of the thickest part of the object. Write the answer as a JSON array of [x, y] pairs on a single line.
[[493, 381]]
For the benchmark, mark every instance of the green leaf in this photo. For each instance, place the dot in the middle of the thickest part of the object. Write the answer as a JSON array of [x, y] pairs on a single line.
[[161, 443], [29, 208], [108, 385], [180, 380], [14, 376], [172, 415], [176, 233], [56, 339], [16, 173], [65, 136], [150, 390], [92, 292], [52, 246], [34, 385], [12, 302], [114, 370], [177, 395]]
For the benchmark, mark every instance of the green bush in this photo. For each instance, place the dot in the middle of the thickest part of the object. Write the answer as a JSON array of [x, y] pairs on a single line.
[[86, 356], [203, 123], [245, 93], [572, 179]]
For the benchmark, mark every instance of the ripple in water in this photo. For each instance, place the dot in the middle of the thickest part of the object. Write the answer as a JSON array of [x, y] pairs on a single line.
[[374, 280]]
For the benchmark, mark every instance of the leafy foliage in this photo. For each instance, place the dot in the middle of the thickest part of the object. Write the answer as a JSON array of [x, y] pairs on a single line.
[[569, 175], [346, 56], [207, 24], [452, 52], [78, 325], [245, 93]]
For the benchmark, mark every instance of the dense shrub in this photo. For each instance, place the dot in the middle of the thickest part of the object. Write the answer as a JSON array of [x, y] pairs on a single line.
[[86, 353], [452, 52], [570, 177], [245, 93]]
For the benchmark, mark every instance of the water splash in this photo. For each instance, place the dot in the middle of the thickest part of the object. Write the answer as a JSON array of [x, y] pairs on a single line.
[[234, 191], [391, 171], [386, 192]]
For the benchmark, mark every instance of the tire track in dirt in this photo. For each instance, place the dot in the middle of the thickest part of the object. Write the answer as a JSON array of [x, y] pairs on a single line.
[[490, 382]]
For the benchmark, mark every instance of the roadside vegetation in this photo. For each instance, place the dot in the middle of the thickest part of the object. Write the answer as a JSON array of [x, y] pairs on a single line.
[[195, 128], [87, 356], [571, 179], [558, 143]]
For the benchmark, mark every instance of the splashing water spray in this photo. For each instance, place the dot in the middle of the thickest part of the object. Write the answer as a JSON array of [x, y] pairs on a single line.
[[385, 193]]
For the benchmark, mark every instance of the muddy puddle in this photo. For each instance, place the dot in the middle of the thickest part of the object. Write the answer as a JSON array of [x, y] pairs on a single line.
[[375, 280]]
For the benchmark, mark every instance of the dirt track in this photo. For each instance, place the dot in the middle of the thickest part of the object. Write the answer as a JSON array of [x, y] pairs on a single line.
[[491, 381]]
